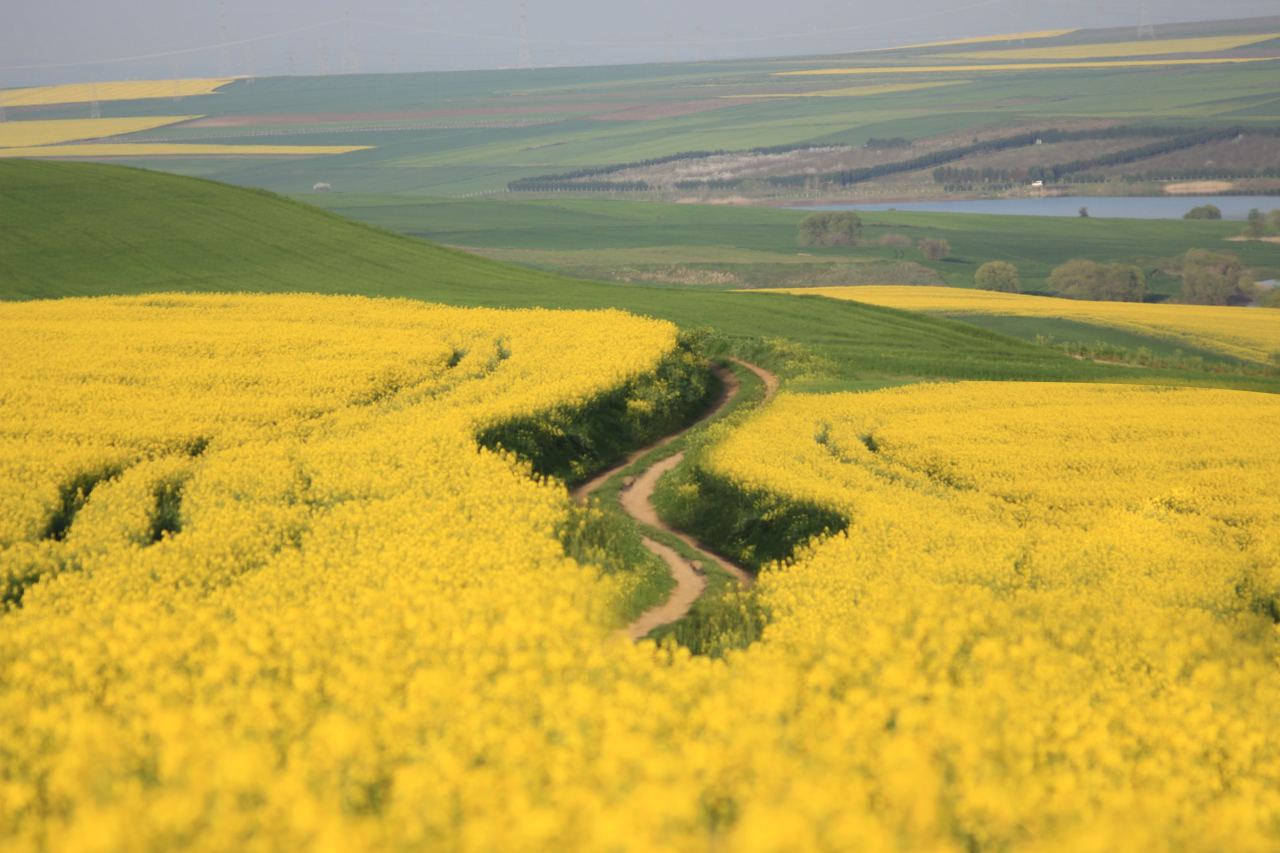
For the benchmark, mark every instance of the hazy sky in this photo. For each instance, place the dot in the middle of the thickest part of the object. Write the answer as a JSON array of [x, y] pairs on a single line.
[[46, 41]]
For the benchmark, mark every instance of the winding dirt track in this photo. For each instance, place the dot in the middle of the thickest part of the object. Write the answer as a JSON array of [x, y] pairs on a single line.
[[637, 501]]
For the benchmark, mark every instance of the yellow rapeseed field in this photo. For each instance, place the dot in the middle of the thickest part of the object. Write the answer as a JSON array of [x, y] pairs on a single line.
[[1251, 333], [1052, 620], [1027, 36], [1019, 66], [122, 90], [1209, 44], [265, 592], [27, 134], [174, 149]]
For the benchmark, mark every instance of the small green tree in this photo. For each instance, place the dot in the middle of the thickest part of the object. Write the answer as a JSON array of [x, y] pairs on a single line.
[[1256, 225], [1124, 283], [1215, 278], [934, 249], [1273, 222], [1081, 278], [998, 275], [830, 229], [1204, 211]]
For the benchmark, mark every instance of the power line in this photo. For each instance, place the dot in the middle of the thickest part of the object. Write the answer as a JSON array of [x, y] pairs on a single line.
[[526, 49], [119, 60]]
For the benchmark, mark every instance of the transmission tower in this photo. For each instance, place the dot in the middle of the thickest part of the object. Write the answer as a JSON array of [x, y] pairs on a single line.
[[1021, 17], [1145, 28], [345, 63], [526, 51], [95, 109], [224, 58]]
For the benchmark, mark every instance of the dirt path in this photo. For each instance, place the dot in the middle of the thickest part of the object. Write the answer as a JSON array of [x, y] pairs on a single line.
[[637, 501]]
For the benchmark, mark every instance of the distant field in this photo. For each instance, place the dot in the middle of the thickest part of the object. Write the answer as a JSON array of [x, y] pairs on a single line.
[[614, 239], [24, 134], [111, 150], [855, 91], [1038, 34], [1161, 47], [1252, 333], [1023, 66], [127, 90], [468, 133]]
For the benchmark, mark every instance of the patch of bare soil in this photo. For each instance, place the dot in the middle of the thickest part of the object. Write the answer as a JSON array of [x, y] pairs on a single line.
[[1198, 187]]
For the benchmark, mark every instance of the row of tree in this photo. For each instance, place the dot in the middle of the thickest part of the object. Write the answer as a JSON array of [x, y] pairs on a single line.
[[1171, 139], [845, 229], [1208, 278]]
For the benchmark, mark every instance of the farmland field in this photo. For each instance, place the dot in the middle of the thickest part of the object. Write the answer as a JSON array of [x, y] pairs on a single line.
[[231, 585], [23, 134], [123, 90], [1252, 333], [459, 134], [512, 460]]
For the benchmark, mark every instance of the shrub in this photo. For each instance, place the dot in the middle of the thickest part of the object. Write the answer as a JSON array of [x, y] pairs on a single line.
[[1081, 278], [998, 275], [934, 249], [830, 229], [1215, 278], [1204, 211]]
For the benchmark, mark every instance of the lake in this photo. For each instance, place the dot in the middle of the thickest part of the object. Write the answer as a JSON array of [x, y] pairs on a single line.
[[1139, 207]]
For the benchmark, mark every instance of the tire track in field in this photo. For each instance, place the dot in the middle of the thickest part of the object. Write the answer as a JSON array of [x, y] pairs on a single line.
[[637, 501]]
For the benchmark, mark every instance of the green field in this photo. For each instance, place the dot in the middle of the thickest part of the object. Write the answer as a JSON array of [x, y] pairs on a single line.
[[599, 238], [454, 134], [82, 229]]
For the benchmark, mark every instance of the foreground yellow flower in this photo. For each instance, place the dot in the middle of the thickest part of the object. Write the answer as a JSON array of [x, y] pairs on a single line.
[[267, 592]]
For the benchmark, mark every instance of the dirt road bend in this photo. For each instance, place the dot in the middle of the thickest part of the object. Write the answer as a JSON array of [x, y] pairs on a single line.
[[637, 501]]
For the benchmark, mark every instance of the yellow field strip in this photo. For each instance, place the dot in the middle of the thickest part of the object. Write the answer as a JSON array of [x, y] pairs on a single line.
[[1038, 34], [1023, 66], [856, 91], [15, 134], [143, 149], [1252, 333], [123, 90], [1122, 49]]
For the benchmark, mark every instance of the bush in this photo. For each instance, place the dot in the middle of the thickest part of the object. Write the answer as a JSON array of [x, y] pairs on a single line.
[[934, 249], [1080, 278], [830, 229], [1215, 278], [998, 275], [1204, 211]]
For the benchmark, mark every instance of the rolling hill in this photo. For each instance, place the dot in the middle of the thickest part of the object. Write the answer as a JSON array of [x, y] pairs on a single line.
[[84, 229]]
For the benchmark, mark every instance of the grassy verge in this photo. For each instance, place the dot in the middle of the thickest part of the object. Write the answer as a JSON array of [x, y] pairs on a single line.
[[573, 443], [606, 536]]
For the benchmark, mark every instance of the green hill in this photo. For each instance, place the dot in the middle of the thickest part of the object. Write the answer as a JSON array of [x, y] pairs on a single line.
[[83, 229]]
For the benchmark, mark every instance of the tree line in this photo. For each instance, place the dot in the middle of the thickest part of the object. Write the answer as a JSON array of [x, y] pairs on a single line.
[[1175, 138]]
